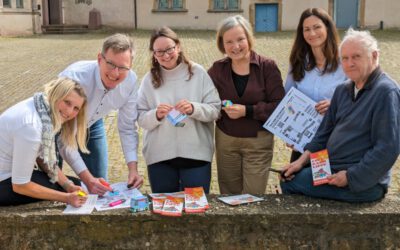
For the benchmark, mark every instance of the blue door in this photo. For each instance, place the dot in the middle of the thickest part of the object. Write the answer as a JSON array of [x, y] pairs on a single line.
[[266, 17], [346, 13]]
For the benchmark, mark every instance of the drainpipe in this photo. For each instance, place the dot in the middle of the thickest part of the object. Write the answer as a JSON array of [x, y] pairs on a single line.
[[33, 3], [135, 12]]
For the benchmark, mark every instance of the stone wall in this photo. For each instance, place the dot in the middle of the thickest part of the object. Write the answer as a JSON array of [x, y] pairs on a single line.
[[279, 222]]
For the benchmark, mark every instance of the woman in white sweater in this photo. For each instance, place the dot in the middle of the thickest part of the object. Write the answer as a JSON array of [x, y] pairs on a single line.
[[177, 155], [27, 138]]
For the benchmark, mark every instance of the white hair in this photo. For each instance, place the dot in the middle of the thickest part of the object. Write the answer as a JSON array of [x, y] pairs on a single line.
[[363, 38]]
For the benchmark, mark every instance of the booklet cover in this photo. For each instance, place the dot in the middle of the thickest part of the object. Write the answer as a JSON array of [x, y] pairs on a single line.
[[158, 204], [320, 166], [239, 199], [173, 206], [176, 118], [195, 200]]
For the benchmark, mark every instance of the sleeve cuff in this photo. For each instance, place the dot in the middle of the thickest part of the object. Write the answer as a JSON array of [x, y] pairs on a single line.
[[249, 111]]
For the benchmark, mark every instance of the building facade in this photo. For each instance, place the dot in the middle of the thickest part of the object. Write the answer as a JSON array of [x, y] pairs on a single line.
[[27, 16]]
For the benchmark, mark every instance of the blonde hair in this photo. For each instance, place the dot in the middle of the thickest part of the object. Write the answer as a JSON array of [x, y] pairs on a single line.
[[229, 23], [57, 90]]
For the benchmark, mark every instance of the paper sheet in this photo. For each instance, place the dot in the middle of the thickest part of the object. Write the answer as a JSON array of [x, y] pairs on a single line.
[[87, 208]]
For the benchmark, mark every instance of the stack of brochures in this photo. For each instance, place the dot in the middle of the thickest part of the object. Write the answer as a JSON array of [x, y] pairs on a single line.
[[239, 199], [192, 200]]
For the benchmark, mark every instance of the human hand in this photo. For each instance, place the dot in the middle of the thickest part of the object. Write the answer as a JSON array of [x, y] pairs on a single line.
[[95, 186], [162, 110], [235, 111], [322, 106], [291, 146], [339, 179], [72, 188], [134, 179], [185, 107], [76, 200]]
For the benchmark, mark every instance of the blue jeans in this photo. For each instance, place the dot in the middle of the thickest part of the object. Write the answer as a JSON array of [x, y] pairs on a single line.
[[97, 160], [302, 183], [165, 178]]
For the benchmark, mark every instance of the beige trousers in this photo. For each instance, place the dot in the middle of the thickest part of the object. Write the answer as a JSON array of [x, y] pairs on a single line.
[[243, 163]]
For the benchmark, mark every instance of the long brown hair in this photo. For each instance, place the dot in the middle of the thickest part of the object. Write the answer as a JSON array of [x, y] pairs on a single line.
[[155, 66], [302, 50]]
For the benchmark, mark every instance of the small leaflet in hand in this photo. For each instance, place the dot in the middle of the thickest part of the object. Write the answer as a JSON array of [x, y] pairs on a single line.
[[173, 206], [176, 118], [195, 200], [239, 199], [227, 103], [320, 166]]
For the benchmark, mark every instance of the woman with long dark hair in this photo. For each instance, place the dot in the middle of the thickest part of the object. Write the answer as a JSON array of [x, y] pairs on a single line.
[[315, 68]]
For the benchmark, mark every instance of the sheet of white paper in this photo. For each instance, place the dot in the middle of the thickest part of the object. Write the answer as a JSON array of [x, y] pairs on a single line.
[[295, 120], [120, 192], [87, 208]]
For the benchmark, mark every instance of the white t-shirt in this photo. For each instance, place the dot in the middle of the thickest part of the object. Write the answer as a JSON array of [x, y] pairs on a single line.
[[20, 141]]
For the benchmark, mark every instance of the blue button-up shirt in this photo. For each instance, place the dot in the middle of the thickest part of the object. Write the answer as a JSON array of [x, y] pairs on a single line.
[[101, 102], [315, 85]]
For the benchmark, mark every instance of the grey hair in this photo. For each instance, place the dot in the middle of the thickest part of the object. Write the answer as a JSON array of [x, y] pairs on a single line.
[[364, 38], [229, 23], [118, 43]]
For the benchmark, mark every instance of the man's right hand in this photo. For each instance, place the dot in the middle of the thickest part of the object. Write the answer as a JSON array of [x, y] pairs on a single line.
[[95, 186]]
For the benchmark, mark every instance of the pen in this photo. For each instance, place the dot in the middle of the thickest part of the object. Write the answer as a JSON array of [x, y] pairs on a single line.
[[115, 203], [129, 185], [282, 173], [81, 193], [106, 184]]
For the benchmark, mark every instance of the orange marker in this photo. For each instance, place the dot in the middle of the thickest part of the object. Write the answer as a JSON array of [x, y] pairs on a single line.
[[106, 184]]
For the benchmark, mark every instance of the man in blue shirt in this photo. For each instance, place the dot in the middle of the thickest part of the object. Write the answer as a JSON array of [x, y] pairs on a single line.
[[361, 130], [109, 84]]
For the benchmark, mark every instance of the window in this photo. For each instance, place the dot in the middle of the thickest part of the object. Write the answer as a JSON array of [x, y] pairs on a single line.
[[169, 5], [7, 3], [20, 3], [224, 5]]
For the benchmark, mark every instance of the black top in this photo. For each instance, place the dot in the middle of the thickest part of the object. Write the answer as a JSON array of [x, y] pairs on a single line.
[[240, 82]]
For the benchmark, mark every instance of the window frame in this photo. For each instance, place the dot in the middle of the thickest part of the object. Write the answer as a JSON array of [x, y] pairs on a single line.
[[170, 8], [20, 5], [7, 5], [211, 6]]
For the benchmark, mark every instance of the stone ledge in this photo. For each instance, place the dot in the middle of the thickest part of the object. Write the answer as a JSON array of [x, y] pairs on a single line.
[[280, 222]]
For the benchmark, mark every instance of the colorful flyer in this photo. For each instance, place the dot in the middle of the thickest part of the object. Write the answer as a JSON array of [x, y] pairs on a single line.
[[195, 200], [176, 118], [239, 199], [158, 204], [320, 166], [173, 206]]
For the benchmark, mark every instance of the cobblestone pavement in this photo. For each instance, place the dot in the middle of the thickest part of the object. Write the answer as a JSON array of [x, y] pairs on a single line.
[[27, 63]]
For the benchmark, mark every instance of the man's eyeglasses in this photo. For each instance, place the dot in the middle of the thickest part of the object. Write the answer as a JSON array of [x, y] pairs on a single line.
[[161, 53], [112, 66]]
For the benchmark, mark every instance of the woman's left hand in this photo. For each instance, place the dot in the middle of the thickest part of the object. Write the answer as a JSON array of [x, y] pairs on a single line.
[[322, 106], [185, 107], [235, 111]]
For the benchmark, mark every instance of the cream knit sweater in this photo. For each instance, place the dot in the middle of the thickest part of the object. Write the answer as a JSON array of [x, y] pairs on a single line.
[[163, 141]]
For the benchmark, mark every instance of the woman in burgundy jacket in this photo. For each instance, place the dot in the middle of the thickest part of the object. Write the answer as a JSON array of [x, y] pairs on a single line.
[[253, 84]]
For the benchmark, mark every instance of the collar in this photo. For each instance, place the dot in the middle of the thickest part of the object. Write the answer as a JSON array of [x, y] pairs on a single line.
[[99, 82], [254, 59], [371, 81]]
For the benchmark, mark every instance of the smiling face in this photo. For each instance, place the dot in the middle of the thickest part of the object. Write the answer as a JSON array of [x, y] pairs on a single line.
[[236, 44], [166, 52], [357, 63], [113, 67], [69, 107], [314, 32]]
